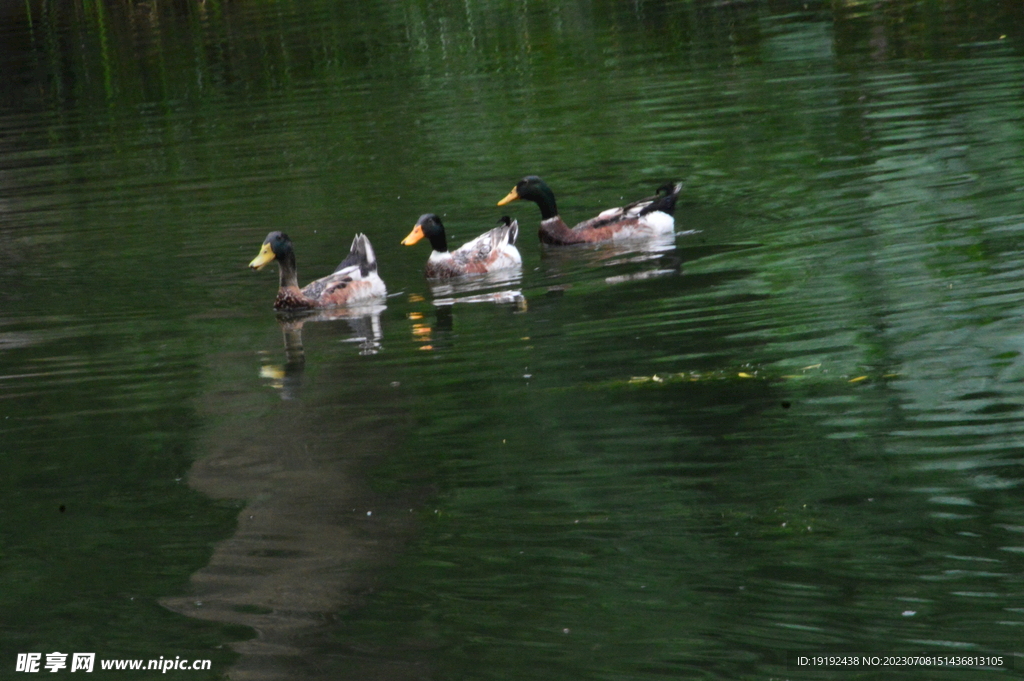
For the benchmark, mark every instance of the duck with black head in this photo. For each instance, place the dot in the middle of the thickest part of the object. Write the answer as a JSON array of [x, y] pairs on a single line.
[[491, 251], [647, 218]]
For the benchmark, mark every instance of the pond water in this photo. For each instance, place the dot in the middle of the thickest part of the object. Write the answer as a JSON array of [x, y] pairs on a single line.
[[795, 427]]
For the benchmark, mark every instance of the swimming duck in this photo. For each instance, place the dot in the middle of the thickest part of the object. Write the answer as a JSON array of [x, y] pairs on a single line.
[[354, 281], [491, 251], [641, 219]]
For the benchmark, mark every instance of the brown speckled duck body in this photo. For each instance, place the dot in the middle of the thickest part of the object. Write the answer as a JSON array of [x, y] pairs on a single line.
[[491, 251], [643, 219], [355, 281]]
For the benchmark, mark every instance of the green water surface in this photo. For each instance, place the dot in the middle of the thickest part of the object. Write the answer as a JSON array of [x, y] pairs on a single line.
[[793, 428]]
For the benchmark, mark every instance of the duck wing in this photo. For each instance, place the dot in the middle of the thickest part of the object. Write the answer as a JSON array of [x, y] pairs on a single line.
[[484, 252], [355, 277], [664, 201]]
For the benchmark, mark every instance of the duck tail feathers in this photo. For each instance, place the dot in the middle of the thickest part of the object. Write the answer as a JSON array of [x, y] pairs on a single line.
[[361, 254], [512, 229], [664, 199]]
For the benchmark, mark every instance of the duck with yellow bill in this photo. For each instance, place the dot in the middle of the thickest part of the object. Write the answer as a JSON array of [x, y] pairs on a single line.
[[354, 282]]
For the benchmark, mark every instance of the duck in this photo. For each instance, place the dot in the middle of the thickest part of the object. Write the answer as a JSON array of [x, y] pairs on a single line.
[[641, 219], [355, 281], [491, 251]]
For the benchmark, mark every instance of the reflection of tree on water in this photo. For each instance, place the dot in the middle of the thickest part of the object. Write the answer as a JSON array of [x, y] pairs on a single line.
[[365, 326], [313, 531]]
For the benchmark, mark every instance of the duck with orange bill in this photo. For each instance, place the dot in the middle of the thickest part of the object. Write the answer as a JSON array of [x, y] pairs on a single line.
[[491, 251], [643, 219]]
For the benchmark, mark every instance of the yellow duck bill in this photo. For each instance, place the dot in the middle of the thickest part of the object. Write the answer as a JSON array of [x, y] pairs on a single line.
[[265, 256], [512, 196]]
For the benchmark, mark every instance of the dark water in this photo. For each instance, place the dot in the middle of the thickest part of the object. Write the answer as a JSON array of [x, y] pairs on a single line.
[[793, 428]]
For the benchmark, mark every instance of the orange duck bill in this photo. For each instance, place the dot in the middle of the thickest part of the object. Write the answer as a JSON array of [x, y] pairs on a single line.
[[414, 236]]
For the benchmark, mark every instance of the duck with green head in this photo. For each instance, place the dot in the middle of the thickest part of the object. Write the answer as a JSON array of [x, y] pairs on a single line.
[[355, 281], [643, 219]]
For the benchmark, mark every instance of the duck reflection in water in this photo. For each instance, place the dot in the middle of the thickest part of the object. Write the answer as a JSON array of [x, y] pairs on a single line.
[[433, 335], [500, 288], [496, 288], [638, 259], [436, 333], [365, 326]]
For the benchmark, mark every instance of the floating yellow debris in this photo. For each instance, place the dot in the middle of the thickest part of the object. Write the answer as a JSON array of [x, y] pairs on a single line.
[[272, 371], [415, 315], [751, 372], [414, 298]]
